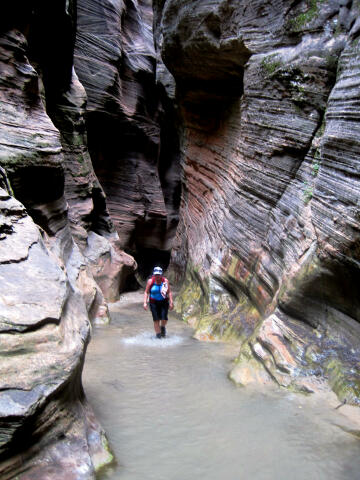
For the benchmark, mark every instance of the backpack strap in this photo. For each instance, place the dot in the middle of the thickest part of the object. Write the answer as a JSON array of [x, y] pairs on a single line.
[[163, 279]]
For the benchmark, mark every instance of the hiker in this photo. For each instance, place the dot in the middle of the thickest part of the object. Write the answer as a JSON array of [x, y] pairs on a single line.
[[158, 294]]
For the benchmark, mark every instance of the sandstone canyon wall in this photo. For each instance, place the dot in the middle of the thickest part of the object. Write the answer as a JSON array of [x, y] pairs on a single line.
[[269, 218], [60, 253], [79, 103], [132, 140], [260, 103]]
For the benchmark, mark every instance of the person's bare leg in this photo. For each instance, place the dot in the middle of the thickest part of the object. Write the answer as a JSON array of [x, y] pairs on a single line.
[[163, 329], [157, 326]]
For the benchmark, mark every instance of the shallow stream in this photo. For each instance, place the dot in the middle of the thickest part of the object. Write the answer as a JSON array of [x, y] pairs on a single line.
[[171, 413]]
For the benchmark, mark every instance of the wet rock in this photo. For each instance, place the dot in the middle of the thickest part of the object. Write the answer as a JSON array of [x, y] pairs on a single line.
[[47, 428], [269, 211], [44, 328], [110, 267]]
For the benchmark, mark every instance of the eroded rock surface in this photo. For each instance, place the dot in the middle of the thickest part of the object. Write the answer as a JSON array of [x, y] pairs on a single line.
[[44, 330], [260, 100], [51, 207], [115, 61], [269, 219]]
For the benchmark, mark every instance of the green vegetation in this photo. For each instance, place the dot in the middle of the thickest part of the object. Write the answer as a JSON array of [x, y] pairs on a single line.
[[308, 192], [210, 308], [339, 30], [315, 169], [345, 385], [300, 88], [105, 458], [298, 94], [304, 18], [316, 162], [331, 61], [321, 130], [290, 75], [192, 300], [270, 64]]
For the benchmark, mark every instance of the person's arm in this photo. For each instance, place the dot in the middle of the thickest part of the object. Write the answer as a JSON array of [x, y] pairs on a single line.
[[147, 293], [171, 303]]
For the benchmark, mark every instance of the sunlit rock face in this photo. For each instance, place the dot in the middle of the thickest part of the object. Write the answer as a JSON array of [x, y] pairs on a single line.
[[115, 61], [269, 219], [59, 253]]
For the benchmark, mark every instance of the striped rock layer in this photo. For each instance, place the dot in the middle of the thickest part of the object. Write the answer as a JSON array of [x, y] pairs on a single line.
[[132, 142], [269, 216], [60, 260]]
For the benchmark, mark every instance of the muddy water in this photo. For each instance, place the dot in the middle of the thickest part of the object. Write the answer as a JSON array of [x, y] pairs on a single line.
[[170, 412]]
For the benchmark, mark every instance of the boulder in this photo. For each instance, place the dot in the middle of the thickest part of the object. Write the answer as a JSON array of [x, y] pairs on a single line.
[[44, 328]]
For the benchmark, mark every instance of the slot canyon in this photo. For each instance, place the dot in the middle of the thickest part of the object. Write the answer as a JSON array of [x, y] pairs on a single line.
[[219, 139]]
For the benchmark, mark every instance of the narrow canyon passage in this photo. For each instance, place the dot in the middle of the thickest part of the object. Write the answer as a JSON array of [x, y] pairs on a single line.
[[171, 413]]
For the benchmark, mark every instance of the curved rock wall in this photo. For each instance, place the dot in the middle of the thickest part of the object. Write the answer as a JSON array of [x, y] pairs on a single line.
[[115, 61], [269, 218], [60, 255], [259, 101], [47, 428]]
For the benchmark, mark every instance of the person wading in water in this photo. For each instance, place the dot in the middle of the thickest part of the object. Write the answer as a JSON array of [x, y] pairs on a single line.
[[158, 294]]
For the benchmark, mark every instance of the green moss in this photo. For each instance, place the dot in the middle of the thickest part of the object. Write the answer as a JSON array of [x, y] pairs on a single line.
[[331, 61], [107, 457], [270, 65], [321, 129], [345, 385], [192, 299], [315, 168], [312, 354], [307, 192], [212, 310], [219, 326], [293, 78], [304, 18], [316, 162], [301, 89]]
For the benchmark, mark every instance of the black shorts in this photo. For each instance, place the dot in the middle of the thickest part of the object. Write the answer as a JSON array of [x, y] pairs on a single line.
[[159, 310]]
